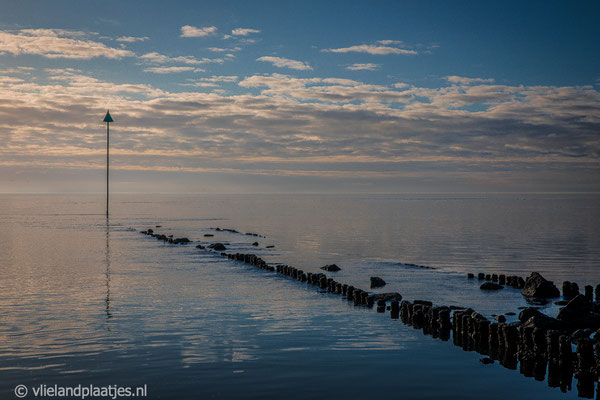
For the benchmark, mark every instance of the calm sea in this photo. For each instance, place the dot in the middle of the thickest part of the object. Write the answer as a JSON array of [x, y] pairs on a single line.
[[83, 302]]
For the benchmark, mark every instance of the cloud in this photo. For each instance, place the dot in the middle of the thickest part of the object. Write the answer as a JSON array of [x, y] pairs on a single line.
[[213, 81], [388, 42], [363, 67], [192, 31], [155, 57], [244, 31], [286, 63], [308, 129], [171, 70], [371, 49], [467, 81], [57, 43], [131, 39], [223, 50]]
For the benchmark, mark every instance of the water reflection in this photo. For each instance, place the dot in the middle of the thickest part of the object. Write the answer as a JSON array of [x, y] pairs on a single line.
[[107, 275], [533, 350]]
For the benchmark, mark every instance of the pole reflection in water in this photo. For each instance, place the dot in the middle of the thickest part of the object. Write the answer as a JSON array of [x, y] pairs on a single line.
[[107, 274]]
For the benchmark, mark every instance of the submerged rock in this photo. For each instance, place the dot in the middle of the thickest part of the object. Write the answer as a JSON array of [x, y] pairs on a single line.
[[386, 297], [423, 302], [331, 268], [580, 313], [537, 286], [490, 286], [217, 246], [486, 360], [533, 317], [255, 244]]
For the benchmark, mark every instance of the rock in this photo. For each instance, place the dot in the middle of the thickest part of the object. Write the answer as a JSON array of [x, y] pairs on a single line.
[[217, 246], [510, 313], [208, 235], [470, 276], [386, 297], [377, 282], [200, 247], [490, 286], [270, 246], [501, 318], [181, 240], [480, 276], [527, 313], [255, 244], [581, 334], [331, 268], [486, 360], [588, 291], [537, 286], [580, 313], [423, 302]]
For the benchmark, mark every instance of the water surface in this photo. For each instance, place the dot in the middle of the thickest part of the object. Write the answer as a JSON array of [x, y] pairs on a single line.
[[86, 302]]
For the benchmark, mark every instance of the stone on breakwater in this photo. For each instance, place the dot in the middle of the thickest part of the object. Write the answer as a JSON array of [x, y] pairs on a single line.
[[331, 268], [377, 282], [580, 313], [217, 246], [537, 286], [387, 296], [490, 286], [502, 279], [589, 292]]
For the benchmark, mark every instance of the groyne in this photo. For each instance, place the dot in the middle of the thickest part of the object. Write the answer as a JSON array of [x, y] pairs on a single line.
[[541, 347]]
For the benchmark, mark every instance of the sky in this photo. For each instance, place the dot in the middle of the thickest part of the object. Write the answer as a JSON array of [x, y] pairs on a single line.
[[310, 96]]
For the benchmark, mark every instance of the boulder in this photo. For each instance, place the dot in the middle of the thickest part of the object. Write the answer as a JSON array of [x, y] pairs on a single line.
[[490, 286], [217, 246], [377, 282], [331, 268], [386, 297], [580, 313], [534, 318], [528, 313], [537, 286], [581, 334], [423, 302]]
